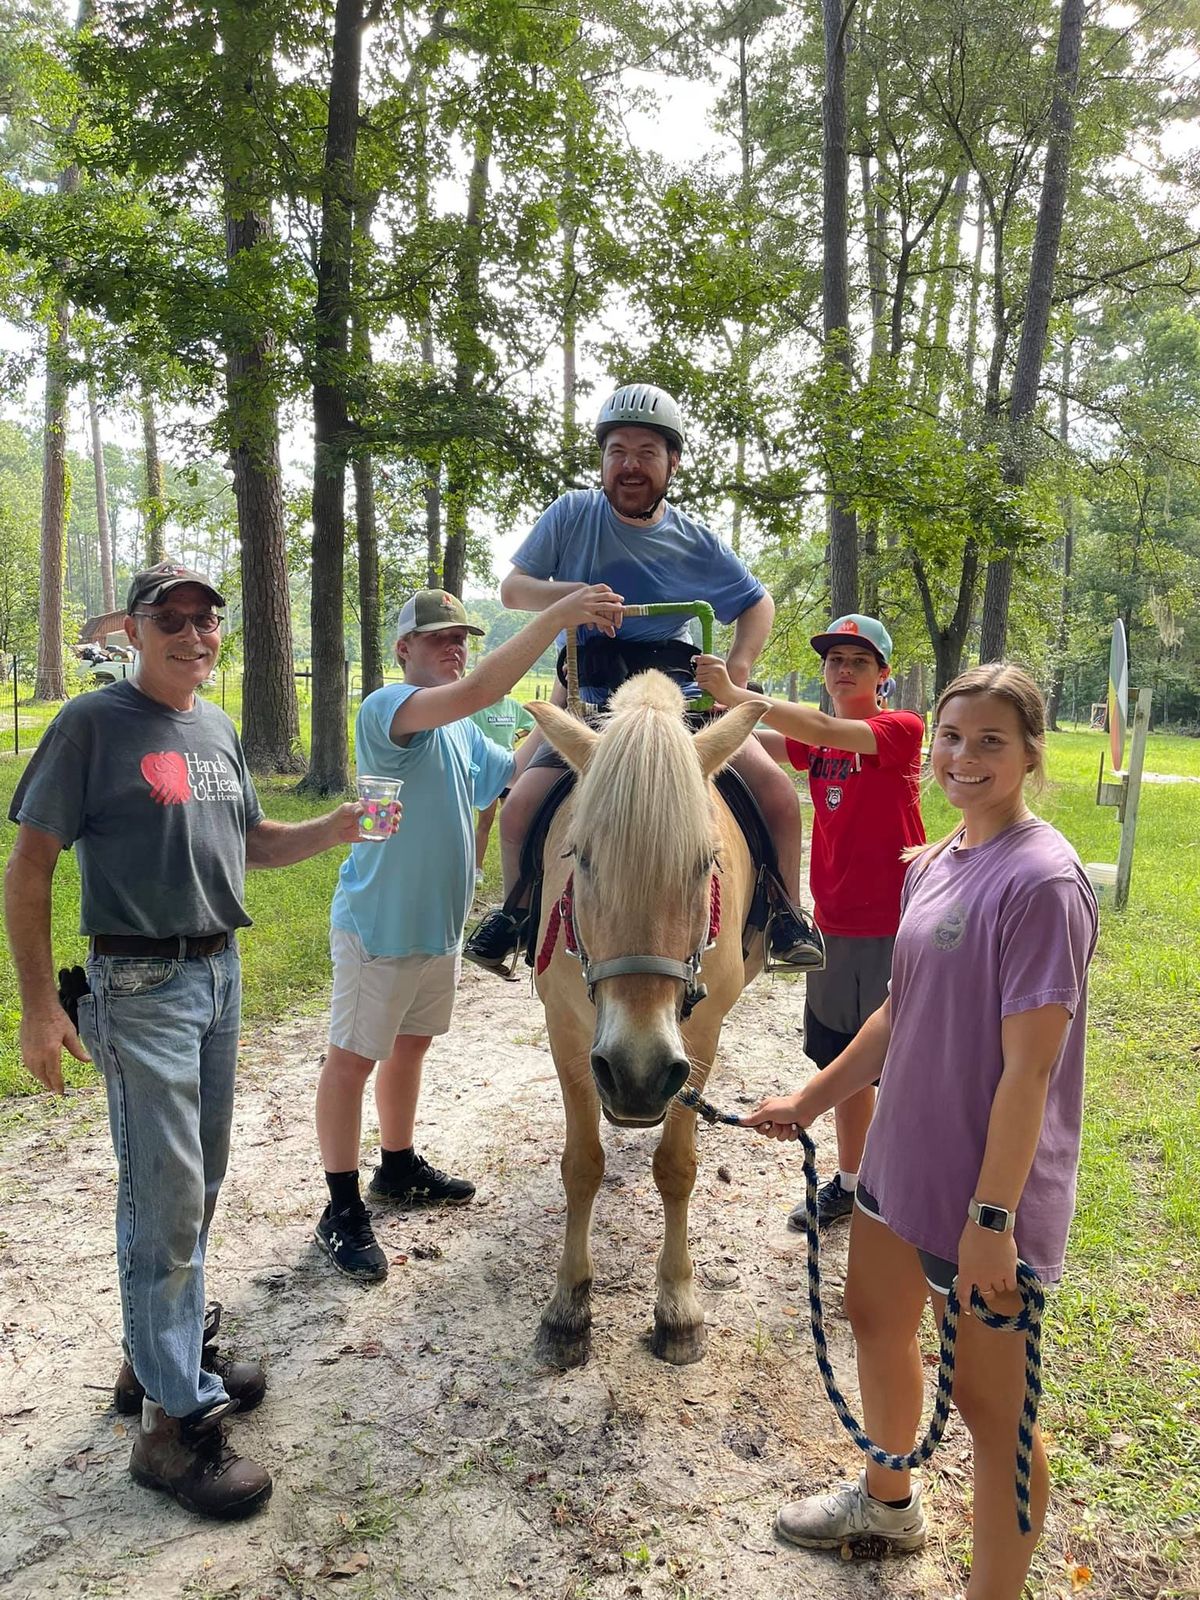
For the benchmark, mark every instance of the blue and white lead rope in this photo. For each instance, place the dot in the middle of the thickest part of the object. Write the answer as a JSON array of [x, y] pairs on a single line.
[[1027, 1321]]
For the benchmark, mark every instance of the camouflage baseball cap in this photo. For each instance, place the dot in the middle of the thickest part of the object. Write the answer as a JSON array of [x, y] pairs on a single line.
[[152, 586], [431, 610]]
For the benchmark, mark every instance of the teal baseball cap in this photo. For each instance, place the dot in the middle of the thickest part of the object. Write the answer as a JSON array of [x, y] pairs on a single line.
[[856, 629]]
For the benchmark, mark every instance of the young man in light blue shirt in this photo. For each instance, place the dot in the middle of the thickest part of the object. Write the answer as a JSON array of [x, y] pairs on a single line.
[[401, 903], [628, 534]]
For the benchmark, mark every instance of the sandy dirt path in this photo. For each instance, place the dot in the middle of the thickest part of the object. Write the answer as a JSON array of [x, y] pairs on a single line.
[[418, 1448]]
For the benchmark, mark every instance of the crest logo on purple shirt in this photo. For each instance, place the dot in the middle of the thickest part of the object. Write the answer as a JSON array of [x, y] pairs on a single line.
[[948, 934]]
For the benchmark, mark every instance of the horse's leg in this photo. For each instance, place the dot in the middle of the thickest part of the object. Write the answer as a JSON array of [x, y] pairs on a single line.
[[565, 1335], [678, 1335]]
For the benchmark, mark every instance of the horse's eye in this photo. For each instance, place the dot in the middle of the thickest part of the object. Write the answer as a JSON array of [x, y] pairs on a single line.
[[585, 861]]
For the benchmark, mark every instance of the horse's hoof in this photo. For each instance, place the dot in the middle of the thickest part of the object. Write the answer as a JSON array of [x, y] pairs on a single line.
[[678, 1345], [556, 1347]]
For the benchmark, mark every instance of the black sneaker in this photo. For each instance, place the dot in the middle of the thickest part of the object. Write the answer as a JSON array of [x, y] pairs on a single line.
[[421, 1185], [347, 1239], [795, 941], [497, 941], [833, 1202]]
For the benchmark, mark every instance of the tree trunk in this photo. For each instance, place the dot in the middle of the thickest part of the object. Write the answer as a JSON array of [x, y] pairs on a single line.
[[50, 683], [433, 479], [366, 532], [993, 636], [948, 263], [948, 642], [973, 301], [1055, 697], [328, 772], [103, 526], [461, 464], [156, 500], [835, 290], [270, 713], [370, 621]]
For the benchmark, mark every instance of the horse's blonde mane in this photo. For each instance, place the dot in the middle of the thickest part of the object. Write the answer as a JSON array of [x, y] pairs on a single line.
[[643, 812]]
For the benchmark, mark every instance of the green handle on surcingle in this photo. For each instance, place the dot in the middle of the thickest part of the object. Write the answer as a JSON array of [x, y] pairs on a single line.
[[684, 608]]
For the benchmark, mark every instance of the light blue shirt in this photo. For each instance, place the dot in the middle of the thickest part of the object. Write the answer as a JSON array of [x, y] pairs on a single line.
[[580, 539], [410, 895]]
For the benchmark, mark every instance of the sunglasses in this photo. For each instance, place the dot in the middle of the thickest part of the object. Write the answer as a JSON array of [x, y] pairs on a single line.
[[176, 621]]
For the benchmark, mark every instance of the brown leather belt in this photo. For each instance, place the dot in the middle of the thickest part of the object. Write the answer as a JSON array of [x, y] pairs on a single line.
[[183, 948]]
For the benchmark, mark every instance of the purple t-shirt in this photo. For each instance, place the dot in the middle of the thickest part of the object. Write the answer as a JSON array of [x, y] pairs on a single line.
[[985, 933]]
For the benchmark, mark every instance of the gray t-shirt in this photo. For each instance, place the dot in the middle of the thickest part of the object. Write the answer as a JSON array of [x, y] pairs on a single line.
[[157, 803], [985, 933]]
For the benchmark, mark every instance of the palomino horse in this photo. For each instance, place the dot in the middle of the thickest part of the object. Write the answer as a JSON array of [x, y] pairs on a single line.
[[652, 851]]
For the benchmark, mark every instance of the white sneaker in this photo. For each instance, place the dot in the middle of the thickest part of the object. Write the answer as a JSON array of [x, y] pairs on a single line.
[[849, 1514], [478, 876]]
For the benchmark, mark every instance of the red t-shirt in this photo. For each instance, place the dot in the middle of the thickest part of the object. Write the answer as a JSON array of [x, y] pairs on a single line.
[[866, 810]]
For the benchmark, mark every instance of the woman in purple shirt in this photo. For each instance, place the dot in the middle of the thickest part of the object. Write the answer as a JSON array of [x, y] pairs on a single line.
[[972, 1156]]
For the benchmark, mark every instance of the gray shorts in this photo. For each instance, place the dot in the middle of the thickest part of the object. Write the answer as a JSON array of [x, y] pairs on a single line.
[[853, 984]]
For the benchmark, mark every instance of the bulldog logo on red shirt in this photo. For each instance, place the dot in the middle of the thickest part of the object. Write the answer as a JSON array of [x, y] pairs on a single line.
[[166, 772]]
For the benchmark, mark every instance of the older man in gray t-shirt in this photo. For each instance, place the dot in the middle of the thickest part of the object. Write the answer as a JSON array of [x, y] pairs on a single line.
[[148, 784]]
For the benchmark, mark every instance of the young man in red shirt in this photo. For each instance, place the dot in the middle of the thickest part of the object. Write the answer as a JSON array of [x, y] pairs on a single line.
[[863, 767]]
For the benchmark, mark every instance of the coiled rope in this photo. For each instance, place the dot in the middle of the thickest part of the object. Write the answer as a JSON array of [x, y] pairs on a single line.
[[1027, 1321]]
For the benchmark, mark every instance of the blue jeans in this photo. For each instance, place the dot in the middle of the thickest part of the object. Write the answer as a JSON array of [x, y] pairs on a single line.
[[165, 1035]]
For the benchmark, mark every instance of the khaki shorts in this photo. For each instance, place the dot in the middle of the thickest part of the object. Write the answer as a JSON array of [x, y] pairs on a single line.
[[377, 997]]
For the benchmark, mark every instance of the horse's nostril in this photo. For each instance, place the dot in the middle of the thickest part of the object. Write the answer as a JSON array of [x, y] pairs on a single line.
[[676, 1076], [603, 1075]]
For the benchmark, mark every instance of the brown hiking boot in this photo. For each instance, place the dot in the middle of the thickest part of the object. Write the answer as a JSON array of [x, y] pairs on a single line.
[[245, 1381], [191, 1458]]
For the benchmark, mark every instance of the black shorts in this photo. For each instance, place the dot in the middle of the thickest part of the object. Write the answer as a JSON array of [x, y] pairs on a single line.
[[939, 1273]]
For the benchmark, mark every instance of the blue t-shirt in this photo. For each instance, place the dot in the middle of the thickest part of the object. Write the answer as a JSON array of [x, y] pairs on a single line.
[[580, 539], [410, 895]]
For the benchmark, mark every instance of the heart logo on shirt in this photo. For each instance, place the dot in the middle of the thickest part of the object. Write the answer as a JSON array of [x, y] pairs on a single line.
[[167, 774]]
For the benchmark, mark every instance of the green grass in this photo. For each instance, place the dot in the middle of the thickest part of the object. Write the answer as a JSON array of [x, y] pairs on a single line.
[[1123, 1333]]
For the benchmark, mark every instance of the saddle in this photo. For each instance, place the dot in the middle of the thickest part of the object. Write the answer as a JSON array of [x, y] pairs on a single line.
[[605, 663], [746, 812]]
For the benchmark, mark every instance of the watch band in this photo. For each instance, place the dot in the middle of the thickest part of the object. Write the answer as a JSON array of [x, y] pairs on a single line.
[[995, 1218]]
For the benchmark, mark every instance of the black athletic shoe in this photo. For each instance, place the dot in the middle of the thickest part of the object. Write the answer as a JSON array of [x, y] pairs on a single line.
[[795, 942], [496, 941], [420, 1185], [833, 1202], [347, 1239]]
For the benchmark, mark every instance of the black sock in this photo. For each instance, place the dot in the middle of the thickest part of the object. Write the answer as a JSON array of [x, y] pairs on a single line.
[[897, 1505], [395, 1163], [343, 1190]]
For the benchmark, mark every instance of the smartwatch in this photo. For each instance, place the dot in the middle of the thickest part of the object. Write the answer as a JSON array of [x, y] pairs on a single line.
[[995, 1218]]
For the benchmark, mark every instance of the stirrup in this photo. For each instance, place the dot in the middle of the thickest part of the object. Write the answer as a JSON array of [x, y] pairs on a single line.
[[771, 962], [504, 966]]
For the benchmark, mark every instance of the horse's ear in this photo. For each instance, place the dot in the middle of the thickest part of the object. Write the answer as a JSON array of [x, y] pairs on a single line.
[[722, 739], [573, 740]]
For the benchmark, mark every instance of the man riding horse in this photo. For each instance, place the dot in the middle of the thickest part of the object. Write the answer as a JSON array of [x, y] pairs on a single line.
[[628, 535]]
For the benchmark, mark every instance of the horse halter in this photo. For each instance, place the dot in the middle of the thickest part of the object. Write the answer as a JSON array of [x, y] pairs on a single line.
[[687, 972]]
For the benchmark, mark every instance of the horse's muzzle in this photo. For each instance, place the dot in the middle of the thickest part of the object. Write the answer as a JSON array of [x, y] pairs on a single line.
[[637, 1093], [632, 1122]]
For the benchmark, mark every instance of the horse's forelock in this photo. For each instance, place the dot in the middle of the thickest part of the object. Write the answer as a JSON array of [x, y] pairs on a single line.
[[643, 812]]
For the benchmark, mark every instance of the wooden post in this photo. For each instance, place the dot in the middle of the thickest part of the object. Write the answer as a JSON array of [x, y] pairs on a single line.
[[1133, 790]]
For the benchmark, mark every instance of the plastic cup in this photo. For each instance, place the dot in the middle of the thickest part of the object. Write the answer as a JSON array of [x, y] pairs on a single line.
[[381, 813]]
